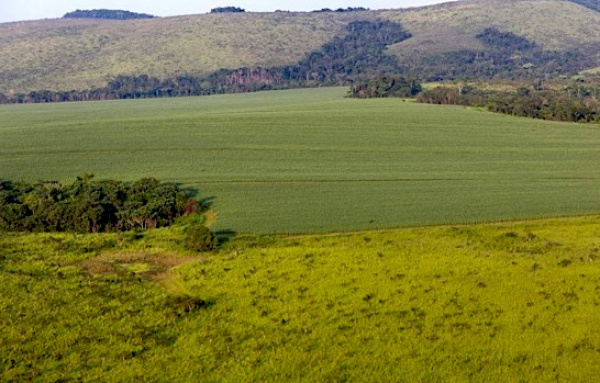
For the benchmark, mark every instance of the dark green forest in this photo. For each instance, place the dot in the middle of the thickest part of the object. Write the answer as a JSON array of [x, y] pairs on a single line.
[[89, 205], [108, 14], [569, 101], [387, 86], [227, 10]]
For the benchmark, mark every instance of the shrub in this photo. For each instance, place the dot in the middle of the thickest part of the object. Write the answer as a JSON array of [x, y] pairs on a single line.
[[200, 238]]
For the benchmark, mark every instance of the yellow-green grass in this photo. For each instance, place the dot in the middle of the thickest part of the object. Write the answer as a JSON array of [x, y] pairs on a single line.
[[69, 54], [503, 302], [314, 161]]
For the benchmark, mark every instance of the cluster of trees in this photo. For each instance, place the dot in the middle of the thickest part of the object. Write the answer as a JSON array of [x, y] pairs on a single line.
[[507, 56], [573, 102], [359, 54], [227, 10], [88, 205], [506, 42], [108, 14], [340, 10], [387, 86]]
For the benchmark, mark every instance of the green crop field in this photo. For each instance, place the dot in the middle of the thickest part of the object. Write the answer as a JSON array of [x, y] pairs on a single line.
[[314, 161], [500, 303]]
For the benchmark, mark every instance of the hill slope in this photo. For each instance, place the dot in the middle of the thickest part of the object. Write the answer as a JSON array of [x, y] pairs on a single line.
[[79, 54]]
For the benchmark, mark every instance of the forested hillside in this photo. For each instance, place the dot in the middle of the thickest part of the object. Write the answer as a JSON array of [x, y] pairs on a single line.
[[465, 39], [359, 54]]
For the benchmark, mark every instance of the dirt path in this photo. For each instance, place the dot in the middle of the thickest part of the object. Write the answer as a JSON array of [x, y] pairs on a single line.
[[158, 267]]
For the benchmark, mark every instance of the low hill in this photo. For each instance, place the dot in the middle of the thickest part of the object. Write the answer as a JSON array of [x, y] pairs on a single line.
[[85, 53]]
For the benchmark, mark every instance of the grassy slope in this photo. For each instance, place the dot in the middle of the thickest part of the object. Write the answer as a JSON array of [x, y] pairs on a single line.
[[76, 54], [471, 303], [552, 24], [313, 161]]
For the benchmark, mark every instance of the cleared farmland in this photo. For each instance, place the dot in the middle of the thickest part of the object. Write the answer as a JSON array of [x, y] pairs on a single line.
[[313, 161]]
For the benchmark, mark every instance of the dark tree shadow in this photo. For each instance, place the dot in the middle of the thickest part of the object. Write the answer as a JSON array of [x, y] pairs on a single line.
[[224, 236]]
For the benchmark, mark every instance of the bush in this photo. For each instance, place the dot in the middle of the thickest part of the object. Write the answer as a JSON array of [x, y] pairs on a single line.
[[227, 10], [200, 238]]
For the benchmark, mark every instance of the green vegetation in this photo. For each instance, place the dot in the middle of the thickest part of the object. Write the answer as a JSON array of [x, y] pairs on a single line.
[[501, 302], [348, 9], [80, 54], [107, 14], [314, 161], [504, 55], [227, 10], [93, 206], [359, 54], [384, 87], [551, 24], [572, 101], [200, 238]]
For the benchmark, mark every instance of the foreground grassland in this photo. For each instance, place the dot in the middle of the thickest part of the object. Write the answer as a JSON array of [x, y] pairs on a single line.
[[504, 302], [313, 161]]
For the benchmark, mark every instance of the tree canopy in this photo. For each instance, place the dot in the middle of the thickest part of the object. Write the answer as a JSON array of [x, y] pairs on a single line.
[[89, 205], [227, 10], [108, 14]]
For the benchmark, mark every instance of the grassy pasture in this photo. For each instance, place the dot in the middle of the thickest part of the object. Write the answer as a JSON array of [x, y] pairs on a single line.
[[313, 161], [504, 302]]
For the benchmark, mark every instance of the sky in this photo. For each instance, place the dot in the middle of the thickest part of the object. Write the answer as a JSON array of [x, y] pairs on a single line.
[[19, 10]]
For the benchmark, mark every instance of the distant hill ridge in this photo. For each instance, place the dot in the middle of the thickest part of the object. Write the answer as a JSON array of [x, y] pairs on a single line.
[[108, 14], [467, 38]]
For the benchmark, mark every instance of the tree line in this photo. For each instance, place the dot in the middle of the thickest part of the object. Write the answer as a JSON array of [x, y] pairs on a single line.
[[341, 10], [570, 102], [227, 10], [107, 14], [387, 86], [88, 205]]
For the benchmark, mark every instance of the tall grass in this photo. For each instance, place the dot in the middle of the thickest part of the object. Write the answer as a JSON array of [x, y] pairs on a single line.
[[503, 302]]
